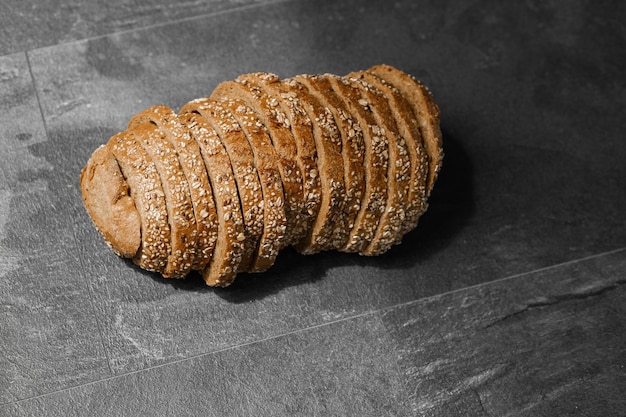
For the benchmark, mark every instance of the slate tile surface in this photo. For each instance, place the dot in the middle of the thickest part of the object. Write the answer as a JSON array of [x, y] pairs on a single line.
[[43, 295], [531, 98], [498, 127], [26, 25], [550, 343], [543, 345], [339, 369], [509, 199]]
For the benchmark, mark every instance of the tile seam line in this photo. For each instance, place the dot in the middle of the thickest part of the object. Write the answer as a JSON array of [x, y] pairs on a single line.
[[376, 312], [156, 25], [503, 279], [37, 97], [190, 358]]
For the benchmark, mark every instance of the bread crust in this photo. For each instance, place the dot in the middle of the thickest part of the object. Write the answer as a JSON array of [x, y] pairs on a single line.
[[106, 196], [302, 132], [330, 168], [279, 131], [228, 251], [245, 172], [203, 205], [409, 130], [178, 204], [376, 167], [426, 112], [272, 239], [399, 168], [149, 198], [347, 155]]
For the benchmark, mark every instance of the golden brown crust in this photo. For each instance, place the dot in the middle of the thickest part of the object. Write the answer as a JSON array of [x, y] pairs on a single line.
[[149, 198], [195, 175], [399, 169], [279, 130], [246, 176], [302, 131], [409, 130], [106, 196], [202, 193], [229, 247], [274, 222], [425, 111], [345, 156], [376, 167], [320, 162], [177, 198], [321, 235]]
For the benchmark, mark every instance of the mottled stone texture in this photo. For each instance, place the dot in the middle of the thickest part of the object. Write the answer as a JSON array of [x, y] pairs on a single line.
[[532, 97], [546, 344], [49, 337], [26, 25], [346, 371]]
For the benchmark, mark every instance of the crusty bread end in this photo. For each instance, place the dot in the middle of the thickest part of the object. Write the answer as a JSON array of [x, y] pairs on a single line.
[[107, 199]]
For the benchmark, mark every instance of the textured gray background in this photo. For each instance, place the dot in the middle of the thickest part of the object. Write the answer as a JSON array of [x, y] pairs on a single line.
[[507, 300]]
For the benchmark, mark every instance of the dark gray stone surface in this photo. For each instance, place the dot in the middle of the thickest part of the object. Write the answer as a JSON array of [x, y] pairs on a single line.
[[543, 344], [339, 369], [550, 343], [26, 25], [531, 98], [541, 112], [49, 337]]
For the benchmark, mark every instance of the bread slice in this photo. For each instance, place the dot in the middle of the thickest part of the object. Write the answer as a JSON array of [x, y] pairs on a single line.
[[376, 167], [302, 131], [266, 162], [409, 130], [147, 193], [246, 176], [196, 177], [425, 111], [183, 230], [278, 125], [399, 169], [177, 198], [107, 199], [349, 154], [229, 247], [330, 168]]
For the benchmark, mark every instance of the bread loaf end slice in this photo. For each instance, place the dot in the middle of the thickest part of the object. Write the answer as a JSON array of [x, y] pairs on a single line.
[[106, 196], [147, 193]]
